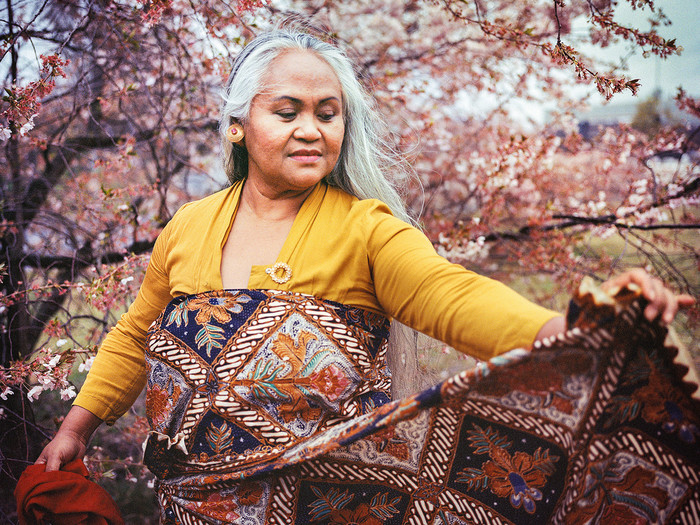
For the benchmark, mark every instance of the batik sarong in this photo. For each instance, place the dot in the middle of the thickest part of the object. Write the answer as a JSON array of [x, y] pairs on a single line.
[[272, 407]]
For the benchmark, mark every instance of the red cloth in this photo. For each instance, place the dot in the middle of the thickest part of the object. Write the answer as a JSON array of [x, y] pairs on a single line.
[[63, 497]]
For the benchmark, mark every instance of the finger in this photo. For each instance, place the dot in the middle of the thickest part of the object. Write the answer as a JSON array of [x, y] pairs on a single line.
[[651, 288], [612, 285], [659, 298], [53, 463], [41, 459], [676, 302], [671, 307], [685, 300], [637, 276]]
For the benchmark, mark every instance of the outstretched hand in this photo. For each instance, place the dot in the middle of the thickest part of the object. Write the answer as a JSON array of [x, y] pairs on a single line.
[[663, 302]]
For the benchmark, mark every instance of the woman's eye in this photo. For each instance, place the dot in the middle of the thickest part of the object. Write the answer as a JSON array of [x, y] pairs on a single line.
[[326, 116], [287, 114]]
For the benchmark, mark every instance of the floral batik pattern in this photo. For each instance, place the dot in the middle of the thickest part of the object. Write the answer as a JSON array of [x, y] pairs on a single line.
[[271, 407], [518, 476]]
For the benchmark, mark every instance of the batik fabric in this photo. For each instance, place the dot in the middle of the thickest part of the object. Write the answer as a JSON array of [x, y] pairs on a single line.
[[274, 407]]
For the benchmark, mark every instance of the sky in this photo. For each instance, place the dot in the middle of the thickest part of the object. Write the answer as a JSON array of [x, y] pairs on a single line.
[[653, 73], [666, 74]]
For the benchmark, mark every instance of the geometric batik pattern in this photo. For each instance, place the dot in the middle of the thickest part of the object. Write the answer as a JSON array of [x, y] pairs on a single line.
[[273, 407]]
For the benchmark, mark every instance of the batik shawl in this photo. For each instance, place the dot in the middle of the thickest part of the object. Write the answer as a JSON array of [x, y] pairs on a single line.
[[274, 407]]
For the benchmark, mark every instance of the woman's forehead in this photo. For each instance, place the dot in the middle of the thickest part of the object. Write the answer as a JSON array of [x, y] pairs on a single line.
[[301, 70]]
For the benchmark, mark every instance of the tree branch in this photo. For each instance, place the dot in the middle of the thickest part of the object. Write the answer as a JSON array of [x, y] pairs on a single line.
[[78, 262], [39, 187], [575, 220]]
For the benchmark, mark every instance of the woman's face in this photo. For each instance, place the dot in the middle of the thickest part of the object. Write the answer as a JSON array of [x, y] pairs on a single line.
[[295, 129]]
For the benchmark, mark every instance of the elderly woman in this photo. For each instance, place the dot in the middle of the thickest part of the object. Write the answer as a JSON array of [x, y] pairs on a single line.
[[268, 302]]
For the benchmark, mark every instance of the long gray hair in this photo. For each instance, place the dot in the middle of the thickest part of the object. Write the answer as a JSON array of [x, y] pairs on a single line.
[[368, 167]]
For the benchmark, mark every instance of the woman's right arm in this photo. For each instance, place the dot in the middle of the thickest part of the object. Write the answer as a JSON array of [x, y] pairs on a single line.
[[118, 372], [70, 442]]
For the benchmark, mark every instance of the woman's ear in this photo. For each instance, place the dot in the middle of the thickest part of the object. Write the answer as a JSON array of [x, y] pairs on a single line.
[[235, 134]]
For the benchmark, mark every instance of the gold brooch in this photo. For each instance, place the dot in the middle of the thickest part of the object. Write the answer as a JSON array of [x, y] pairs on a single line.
[[273, 272]]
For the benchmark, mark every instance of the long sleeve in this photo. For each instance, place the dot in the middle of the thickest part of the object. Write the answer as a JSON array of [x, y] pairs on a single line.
[[118, 373], [474, 314], [186, 259]]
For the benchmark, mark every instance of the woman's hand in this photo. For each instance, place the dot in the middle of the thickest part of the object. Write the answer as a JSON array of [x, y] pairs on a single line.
[[662, 301], [63, 448], [70, 442]]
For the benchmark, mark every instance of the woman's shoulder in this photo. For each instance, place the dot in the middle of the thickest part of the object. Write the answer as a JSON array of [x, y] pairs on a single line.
[[345, 203], [368, 219], [203, 209], [198, 215], [210, 202]]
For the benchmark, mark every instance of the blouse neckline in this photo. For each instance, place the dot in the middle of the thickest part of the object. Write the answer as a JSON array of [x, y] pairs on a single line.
[[302, 222]]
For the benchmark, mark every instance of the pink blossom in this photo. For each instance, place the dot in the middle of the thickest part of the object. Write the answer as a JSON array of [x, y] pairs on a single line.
[[28, 126], [33, 394], [53, 361], [84, 367], [68, 393]]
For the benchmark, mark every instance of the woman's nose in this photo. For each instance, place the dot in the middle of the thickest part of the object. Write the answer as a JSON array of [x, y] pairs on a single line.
[[307, 128]]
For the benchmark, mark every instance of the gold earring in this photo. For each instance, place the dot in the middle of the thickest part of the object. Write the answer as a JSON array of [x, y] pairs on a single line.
[[235, 133]]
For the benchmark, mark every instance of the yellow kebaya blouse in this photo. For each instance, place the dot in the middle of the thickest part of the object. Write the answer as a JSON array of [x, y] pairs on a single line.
[[340, 248]]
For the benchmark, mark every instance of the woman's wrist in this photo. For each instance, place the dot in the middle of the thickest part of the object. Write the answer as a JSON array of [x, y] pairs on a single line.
[[552, 328], [80, 423]]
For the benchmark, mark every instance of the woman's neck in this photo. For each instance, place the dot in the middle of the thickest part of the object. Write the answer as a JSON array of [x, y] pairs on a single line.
[[265, 204]]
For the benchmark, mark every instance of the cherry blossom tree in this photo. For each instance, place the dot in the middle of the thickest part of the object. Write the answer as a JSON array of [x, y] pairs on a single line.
[[108, 124]]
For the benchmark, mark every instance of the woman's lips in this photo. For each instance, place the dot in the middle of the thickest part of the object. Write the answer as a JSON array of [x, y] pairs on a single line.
[[306, 155]]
